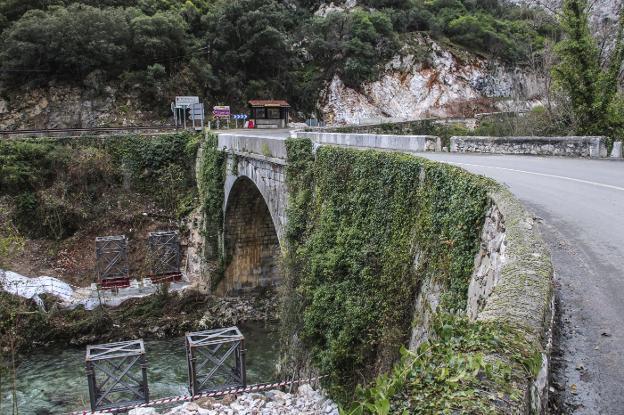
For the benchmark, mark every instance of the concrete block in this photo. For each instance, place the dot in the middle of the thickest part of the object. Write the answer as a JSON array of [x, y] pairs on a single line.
[[616, 152]]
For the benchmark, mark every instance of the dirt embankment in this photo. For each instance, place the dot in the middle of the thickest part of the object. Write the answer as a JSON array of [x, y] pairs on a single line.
[[73, 259]]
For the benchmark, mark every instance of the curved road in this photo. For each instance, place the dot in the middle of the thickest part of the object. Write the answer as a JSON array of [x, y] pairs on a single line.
[[581, 206]]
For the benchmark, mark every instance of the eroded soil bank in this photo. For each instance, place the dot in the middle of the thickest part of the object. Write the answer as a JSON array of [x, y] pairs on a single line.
[[160, 316]]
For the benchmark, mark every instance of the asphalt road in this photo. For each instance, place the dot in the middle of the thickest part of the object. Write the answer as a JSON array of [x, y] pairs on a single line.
[[581, 204]]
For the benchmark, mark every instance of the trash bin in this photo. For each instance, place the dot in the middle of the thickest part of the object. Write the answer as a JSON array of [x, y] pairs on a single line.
[[252, 124]]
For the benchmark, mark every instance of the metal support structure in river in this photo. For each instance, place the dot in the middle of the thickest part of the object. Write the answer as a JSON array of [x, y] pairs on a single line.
[[216, 360], [117, 374], [111, 261]]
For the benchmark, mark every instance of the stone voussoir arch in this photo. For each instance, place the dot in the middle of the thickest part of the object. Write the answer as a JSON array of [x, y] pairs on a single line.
[[254, 209]]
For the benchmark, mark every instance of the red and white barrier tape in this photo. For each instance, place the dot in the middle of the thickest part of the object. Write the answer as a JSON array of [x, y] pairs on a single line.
[[183, 398]]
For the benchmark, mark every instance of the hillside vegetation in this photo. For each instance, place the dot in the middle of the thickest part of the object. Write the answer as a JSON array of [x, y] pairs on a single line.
[[229, 51], [57, 195]]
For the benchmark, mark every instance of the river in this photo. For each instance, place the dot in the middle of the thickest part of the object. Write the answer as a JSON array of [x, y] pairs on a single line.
[[54, 381]]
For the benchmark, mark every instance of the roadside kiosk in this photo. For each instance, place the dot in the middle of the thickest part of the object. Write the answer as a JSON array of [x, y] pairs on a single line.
[[268, 113]]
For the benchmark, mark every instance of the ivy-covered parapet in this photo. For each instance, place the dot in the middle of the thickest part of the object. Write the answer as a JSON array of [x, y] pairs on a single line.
[[512, 284], [211, 164], [366, 228], [376, 241]]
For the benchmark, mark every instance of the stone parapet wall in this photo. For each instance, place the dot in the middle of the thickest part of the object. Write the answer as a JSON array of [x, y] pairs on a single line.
[[594, 147], [267, 147], [488, 262], [407, 143], [512, 282]]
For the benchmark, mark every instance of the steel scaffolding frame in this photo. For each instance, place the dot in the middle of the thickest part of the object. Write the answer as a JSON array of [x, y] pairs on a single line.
[[216, 360], [111, 261], [117, 374], [164, 256]]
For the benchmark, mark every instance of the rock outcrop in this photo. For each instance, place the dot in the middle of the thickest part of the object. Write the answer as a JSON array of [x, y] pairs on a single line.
[[603, 15], [438, 83], [62, 106]]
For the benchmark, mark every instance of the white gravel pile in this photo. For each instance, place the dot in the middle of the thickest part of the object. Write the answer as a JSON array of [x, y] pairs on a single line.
[[306, 401], [71, 296]]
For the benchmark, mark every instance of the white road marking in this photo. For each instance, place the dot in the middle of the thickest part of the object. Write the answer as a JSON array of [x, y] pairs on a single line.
[[608, 186]]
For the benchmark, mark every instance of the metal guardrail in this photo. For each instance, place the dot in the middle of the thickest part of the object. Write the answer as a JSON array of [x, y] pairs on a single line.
[[47, 131]]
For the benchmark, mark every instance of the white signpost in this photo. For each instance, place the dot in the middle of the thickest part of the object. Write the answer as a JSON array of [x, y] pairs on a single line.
[[181, 104]]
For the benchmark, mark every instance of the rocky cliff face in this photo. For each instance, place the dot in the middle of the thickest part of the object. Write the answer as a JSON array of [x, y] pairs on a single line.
[[73, 107], [447, 85], [601, 11], [442, 84]]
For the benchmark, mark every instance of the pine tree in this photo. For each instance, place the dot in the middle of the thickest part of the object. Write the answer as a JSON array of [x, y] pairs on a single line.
[[590, 86]]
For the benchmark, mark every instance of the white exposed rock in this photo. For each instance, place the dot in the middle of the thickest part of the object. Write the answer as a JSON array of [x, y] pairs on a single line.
[[326, 8], [189, 408], [445, 86], [601, 12], [603, 15], [143, 411]]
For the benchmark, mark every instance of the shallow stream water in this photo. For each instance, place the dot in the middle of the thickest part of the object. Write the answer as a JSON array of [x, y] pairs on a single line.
[[54, 381]]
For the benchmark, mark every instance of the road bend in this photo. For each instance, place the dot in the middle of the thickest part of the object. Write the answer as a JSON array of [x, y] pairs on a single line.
[[580, 203]]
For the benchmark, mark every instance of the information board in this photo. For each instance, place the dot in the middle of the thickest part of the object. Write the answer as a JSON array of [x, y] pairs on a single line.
[[186, 101]]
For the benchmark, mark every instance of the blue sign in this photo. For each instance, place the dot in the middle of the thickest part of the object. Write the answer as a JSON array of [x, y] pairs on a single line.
[[240, 116]]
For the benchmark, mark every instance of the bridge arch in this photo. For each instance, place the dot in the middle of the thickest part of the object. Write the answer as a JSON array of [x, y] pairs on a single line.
[[251, 237]]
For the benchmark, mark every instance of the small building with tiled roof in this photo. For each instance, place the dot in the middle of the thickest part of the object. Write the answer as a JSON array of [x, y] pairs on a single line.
[[269, 113]]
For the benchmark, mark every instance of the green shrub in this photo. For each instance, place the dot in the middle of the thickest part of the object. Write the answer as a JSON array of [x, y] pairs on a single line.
[[231, 51], [58, 185], [465, 367]]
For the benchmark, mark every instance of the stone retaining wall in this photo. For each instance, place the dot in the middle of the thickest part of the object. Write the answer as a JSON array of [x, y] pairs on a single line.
[[594, 147]]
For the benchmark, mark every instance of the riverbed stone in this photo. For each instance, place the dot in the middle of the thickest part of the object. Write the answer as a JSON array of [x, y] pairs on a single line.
[[143, 411], [305, 401]]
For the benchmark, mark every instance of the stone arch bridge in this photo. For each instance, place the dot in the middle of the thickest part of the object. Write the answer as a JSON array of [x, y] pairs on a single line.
[[571, 193], [256, 196]]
